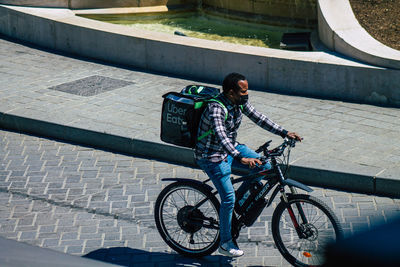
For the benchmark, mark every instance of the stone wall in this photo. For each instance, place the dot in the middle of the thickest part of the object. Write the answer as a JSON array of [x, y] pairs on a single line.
[[38, 3], [123, 3], [292, 11], [300, 13], [76, 4]]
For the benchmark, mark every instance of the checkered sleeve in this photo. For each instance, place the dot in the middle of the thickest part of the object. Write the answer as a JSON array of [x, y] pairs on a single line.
[[262, 120], [217, 115]]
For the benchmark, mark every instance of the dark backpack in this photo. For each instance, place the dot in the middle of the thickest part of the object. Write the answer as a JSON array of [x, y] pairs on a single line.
[[181, 112]]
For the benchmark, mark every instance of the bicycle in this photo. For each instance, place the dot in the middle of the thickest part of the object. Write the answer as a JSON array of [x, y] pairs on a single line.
[[187, 213]]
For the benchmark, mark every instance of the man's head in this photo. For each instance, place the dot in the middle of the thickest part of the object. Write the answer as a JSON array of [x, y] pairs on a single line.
[[235, 88]]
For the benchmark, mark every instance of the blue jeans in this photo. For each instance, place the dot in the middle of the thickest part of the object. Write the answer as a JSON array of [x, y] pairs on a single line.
[[220, 175]]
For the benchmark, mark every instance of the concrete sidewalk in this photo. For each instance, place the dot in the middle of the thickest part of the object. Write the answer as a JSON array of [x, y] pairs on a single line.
[[346, 146]]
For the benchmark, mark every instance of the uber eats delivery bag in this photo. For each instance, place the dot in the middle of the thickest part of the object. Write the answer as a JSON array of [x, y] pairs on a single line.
[[181, 114]]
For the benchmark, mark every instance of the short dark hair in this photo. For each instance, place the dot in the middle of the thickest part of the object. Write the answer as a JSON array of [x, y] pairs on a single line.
[[231, 82]]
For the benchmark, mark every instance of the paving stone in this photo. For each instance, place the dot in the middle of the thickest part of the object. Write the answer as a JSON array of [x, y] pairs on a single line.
[[69, 236], [50, 242], [47, 229], [77, 250], [27, 236], [112, 236], [113, 243]]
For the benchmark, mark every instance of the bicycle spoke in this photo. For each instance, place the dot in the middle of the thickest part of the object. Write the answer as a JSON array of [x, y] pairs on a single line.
[[171, 217], [173, 202], [182, 195]]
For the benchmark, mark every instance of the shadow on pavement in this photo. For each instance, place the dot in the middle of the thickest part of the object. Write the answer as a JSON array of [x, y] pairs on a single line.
[[125, 256]]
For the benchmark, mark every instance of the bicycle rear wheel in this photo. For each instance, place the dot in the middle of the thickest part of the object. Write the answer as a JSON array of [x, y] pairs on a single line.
[[188, 230], [304, 244]]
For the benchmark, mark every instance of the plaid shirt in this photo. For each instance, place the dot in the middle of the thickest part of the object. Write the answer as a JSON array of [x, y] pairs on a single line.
[[216, 147]]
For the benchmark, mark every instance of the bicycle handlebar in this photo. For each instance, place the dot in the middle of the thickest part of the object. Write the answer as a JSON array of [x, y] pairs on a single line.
[[278, 151], [263, 147]]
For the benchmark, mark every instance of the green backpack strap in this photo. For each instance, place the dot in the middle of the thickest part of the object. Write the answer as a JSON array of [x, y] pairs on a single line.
[[223, 106], [211, 131]]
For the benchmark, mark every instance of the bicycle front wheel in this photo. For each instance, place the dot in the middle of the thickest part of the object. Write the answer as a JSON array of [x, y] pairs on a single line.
[[189, 230], [302, 228]]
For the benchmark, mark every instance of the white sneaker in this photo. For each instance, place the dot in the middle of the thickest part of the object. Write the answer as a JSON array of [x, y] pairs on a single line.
[[229, 249]]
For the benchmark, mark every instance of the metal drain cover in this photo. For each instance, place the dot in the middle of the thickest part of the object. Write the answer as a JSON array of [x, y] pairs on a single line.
[[91, 86]]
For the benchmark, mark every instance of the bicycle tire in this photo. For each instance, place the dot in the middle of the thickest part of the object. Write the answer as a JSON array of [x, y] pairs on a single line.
[[175, 231], [322, 228]]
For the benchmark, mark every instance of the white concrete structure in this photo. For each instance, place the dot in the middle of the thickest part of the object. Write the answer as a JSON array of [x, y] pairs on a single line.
[[318, 74], [340, 31]]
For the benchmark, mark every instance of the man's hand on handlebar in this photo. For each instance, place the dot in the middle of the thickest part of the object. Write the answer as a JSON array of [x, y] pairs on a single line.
[[251, 162], [295, 136]]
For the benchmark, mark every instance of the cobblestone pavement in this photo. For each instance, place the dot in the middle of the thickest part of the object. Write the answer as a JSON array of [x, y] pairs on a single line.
[[338, 136], [80, 200]]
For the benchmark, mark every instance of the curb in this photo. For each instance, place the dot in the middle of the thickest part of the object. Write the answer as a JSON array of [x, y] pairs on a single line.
[[102, 140], [350, 182]]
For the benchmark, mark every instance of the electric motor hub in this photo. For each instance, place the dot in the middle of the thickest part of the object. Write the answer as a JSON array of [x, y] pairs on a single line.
[[189, 219]]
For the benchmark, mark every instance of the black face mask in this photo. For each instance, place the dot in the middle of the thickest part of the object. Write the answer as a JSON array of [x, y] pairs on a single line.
[[243, 99]]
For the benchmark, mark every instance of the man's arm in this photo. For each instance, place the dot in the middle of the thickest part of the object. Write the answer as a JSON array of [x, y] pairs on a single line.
[[217, 115]]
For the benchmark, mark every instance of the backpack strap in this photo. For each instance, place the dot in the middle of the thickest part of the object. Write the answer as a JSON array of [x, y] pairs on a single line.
[[223, 106], [211, 131]]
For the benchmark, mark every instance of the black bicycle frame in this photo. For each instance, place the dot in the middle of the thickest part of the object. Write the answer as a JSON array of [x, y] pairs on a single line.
[[274, 178]]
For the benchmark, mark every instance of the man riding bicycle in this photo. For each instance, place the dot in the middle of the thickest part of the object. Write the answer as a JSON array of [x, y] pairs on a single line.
[[217, 152]]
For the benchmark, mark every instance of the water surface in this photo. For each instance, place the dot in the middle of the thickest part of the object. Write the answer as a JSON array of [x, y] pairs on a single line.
[[200, 25]]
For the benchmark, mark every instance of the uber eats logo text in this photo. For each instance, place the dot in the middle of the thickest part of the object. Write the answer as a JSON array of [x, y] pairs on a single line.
[[173, 111]]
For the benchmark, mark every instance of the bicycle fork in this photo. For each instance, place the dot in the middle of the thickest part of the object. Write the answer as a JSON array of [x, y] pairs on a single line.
[[298, 226]]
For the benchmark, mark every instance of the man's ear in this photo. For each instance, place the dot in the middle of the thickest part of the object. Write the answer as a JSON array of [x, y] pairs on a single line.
[[231, 93]]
